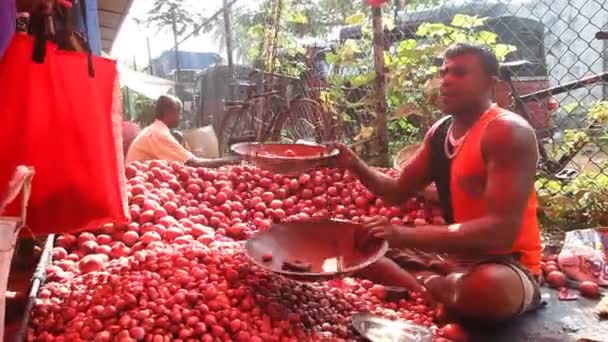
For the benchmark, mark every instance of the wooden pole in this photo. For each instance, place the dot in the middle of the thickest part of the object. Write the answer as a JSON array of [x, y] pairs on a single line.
[[228, 34], [228, 37], [149, 56], [381, 129], [177, 64]]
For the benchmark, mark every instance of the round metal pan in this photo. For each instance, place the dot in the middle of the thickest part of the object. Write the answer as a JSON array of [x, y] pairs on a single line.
[[328, 246], [273, 156], [379, 329]]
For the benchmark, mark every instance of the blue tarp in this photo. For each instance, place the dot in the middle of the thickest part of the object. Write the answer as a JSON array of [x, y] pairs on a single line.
[[93, 32], [8, 17]]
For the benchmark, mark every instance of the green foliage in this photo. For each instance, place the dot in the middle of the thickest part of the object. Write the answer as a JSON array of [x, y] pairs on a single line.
[[144, 112], [571, 107], [599, 112], [411, 87], [574, 139], [126, 104], [161, 16], [293, 21], [581, 203], [584, 201], [401, 134]]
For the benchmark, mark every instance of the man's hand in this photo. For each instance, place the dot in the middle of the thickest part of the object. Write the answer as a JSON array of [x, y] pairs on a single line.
[[231, 160], [214, 163], [346, 158], [375, 228]]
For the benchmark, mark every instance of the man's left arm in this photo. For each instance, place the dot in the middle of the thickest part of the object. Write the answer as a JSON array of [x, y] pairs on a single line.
[[510, 153]]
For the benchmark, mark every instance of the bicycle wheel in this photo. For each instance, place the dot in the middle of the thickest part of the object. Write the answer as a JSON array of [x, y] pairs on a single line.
[[305, 120], [266, 114], [236, 126]]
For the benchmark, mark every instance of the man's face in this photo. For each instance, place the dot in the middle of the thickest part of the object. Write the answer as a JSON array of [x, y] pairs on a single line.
[[172, 116], [464, 84]]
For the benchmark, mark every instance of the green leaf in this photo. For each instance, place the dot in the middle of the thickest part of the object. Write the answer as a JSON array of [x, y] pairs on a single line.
[[297, 18], [331, 58], [487, 37], [408, 44], [388, 23], [410, 56], [256, 31], [599, 112], [432, 30], [367, 32], [466, 21], [349, 50], [502, 50], [570, 107], [388, 59], [365, 79], [355, 19], [459, 37]]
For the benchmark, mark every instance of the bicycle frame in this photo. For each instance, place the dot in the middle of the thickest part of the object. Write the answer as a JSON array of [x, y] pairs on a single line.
[[266, 108]]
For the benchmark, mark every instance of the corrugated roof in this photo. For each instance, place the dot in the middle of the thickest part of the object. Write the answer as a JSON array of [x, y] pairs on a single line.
[[112, 14]]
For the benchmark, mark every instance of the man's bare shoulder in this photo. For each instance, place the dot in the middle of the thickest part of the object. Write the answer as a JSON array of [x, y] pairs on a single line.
[[510, 133]]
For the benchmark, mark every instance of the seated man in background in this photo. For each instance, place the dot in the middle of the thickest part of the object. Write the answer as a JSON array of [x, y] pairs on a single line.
[[157, 142], [482, 159]]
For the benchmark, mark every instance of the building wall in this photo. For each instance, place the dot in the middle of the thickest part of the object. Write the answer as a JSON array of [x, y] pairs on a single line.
[[570, 45], [164, 64]]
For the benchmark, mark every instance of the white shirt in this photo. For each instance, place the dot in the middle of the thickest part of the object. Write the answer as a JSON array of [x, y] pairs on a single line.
[[157, 142]]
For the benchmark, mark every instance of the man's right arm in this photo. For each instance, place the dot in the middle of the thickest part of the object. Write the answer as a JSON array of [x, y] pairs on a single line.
[[212, 163], [415, 176]]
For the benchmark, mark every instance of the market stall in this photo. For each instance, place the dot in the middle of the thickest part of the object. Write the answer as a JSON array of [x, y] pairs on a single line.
[[147, 85], [273, 248], [179, 269]]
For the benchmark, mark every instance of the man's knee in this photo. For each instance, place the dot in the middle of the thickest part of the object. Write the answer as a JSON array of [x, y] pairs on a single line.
[[489, 292]]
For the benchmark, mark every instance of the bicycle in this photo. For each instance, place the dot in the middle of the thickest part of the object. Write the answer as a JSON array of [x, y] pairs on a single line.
[[271, 114], [556, 168]]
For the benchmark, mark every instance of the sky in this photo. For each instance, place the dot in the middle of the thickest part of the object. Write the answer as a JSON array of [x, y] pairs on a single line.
[[130, 45]]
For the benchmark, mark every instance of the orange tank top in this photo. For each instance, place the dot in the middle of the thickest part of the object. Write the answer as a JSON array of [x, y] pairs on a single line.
[[468, 177]]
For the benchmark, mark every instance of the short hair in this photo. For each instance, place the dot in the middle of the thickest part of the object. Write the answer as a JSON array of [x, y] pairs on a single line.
[[165, 103], [486, 55]]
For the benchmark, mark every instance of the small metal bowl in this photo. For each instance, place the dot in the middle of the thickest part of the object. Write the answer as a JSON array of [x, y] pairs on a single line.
[[272, 156], [379, 329], [327, 245]]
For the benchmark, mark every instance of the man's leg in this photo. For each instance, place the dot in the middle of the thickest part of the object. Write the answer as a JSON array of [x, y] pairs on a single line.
[[488, 292], [387, 272]]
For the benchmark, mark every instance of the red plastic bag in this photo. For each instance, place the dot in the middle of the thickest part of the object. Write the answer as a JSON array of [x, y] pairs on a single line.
[[57, 118]]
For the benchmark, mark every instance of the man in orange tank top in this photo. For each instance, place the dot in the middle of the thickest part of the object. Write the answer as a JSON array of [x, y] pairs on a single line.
[[482, 160]]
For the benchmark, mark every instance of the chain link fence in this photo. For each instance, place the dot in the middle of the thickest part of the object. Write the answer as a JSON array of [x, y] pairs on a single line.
[[557, 38]]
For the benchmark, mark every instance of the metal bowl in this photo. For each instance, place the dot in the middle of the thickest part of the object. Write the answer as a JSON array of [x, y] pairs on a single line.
[[272, 156], [379, 329], [327, 245]]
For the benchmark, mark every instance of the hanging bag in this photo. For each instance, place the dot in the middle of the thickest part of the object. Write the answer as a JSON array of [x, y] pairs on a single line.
[[58, 117], [20, 184]]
